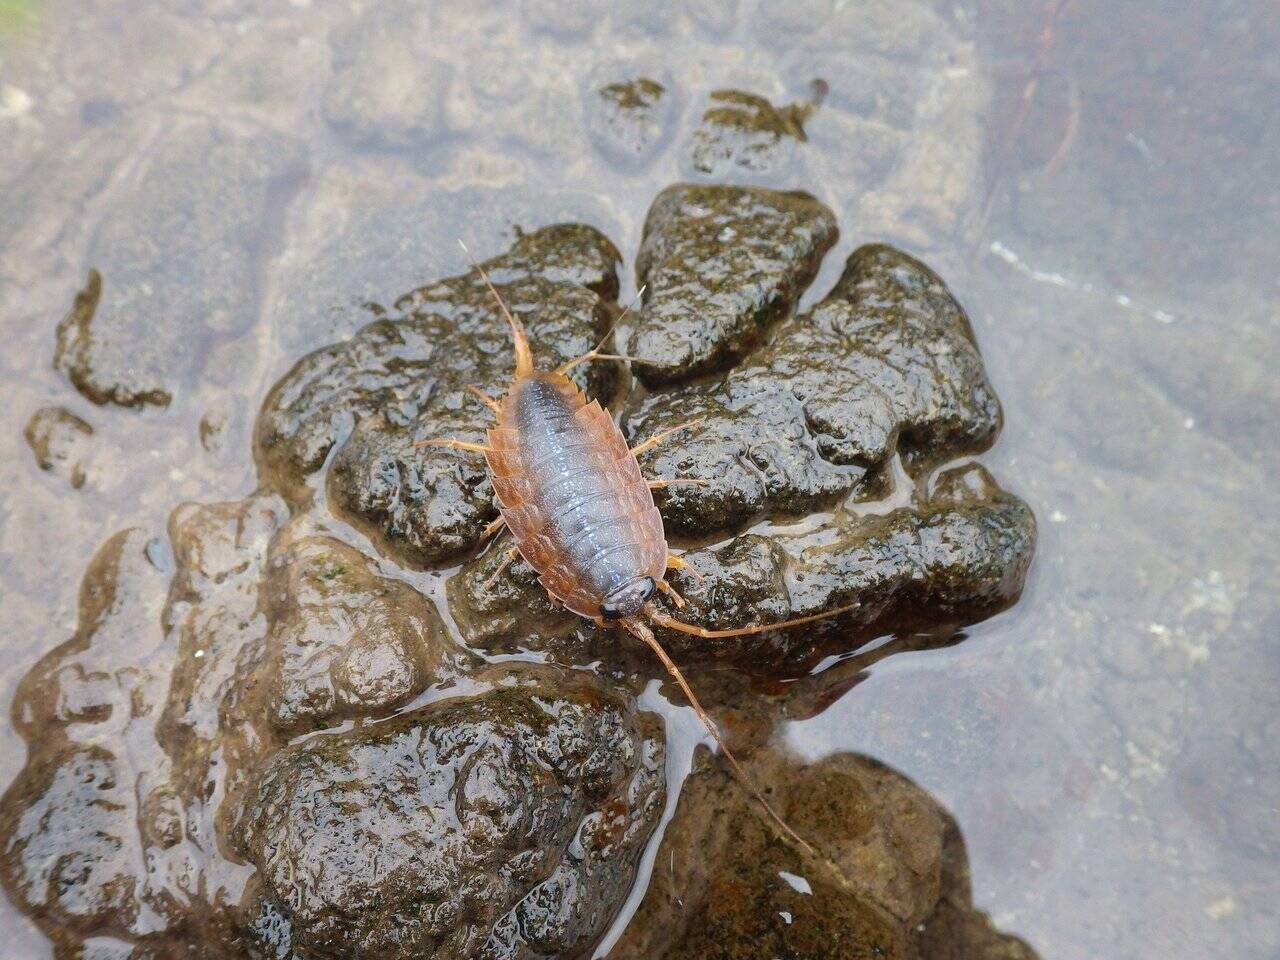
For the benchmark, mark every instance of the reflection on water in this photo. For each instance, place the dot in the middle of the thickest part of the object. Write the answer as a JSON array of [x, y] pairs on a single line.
[[1097, 184]]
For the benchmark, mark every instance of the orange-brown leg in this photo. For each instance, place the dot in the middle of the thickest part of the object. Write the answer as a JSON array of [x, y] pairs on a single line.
[[657, 616], [658, 438], [679, 563], [660, 484], [484, 398], [509, 559], [671, 592], [452, 444], [493, 528]]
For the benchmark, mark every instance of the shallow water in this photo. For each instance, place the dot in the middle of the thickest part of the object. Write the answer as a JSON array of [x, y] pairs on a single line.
[[1099, 186]]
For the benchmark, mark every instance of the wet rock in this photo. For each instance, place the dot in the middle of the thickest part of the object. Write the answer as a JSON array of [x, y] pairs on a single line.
[[954, 556], [72, 853], [745, 132], [405, 378], [719, 264], [630, 120], [58, 438], [344, 641], [885, 364], [384, 92], [174, 256], [895, 882], [507, 825]]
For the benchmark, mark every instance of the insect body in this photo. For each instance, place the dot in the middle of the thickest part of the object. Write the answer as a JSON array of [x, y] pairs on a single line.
[[574, 500], [582, 515]]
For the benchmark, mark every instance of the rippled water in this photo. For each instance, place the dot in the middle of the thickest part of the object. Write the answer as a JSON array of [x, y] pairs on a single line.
[[1099, 183]]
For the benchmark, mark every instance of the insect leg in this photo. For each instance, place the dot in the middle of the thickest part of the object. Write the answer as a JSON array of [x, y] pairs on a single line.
[[680, 563], [492, 528], [660, 484], [509, 559], [671, 592], [453, 444], [657, 616], [658, 438], [484, 398]]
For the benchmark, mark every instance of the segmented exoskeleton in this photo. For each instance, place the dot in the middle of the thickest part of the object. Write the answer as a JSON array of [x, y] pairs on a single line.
[[582, 515]]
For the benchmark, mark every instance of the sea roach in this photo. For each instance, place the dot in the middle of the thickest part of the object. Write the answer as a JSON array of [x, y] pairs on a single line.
[[582, 515]]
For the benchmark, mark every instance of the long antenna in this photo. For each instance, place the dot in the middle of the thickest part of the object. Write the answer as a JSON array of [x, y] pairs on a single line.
[[622, 316], [524, 356]]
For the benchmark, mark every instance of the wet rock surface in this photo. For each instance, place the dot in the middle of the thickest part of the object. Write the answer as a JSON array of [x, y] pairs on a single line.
[[504, 826], [886, 364], [345, 642], [718, 265], [314, 761], [896, 885], [404, 378]]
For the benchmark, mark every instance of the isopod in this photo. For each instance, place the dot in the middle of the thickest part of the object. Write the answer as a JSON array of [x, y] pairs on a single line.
[[582, 515]]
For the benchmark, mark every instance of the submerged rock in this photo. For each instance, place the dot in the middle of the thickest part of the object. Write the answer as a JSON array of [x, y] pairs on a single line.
[[171, 259], [719, 264], [895, 886], [745, 131], [58, 439], [629, 120], [383, 91]]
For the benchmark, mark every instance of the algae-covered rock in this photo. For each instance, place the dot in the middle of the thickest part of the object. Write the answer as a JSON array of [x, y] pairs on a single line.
[[345, 642], [719, 264], [890, 882], [291, 752], [85, 817], [507, 825], [406, 377], [885, 364], [58, 438], [745, 131], [954, 555]]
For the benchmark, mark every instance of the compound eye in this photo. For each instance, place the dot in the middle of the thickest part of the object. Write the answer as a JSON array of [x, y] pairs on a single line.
[[628, 600]]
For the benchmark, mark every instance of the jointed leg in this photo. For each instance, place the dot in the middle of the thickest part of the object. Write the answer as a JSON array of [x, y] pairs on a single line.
[[661, 484], [509, 559], [493, 528], [452, 444], [484, 398], [658, 438], [597, 355], [670, 591], [679, 563]]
